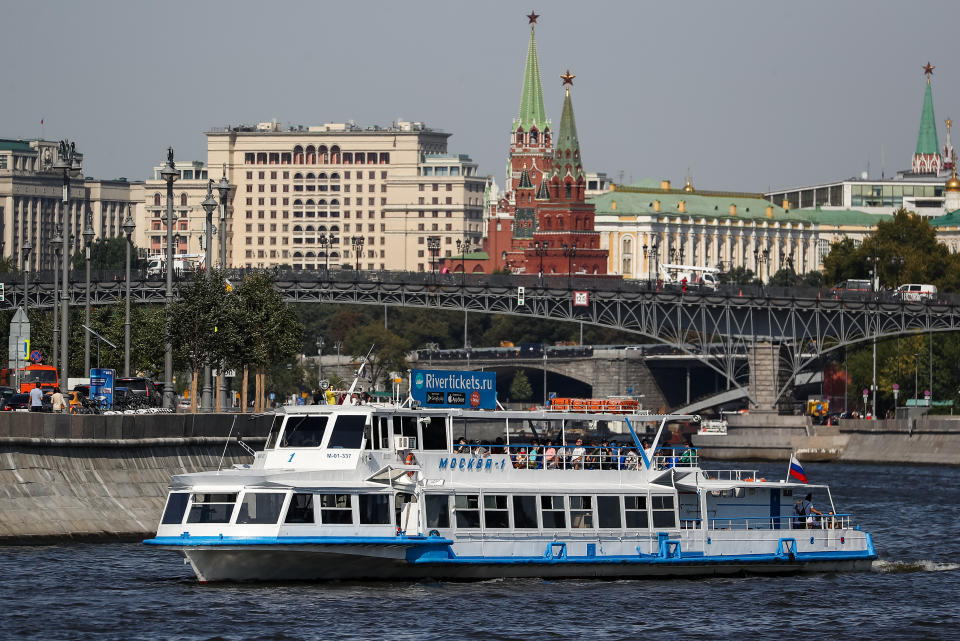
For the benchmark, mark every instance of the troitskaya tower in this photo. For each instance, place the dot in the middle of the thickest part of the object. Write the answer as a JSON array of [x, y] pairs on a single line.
[[927, 158]]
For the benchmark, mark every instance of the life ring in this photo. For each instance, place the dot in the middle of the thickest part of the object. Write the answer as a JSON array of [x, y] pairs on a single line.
[[410, 460]]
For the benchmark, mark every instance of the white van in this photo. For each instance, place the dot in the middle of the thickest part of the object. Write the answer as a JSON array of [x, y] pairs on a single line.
[[916, 292]]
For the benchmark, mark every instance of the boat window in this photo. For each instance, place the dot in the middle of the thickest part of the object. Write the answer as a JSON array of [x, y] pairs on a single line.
[[304, 431], [608, 511], [274, 432], [663, 515], [336, 508], [301, 509], [525, 512], [434, 434], [260, 507], [375, 509], [495, 513], [348, 431], [635, 511], [581, 511], [401, 499], [176, 506], [552, 512], [438, 511], [212, 508], [467, 509], [384, 442], [405, 426]]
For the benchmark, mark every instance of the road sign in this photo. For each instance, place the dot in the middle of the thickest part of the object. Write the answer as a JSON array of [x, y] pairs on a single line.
[[19, 333], [36, 356], [581, 299], [324, 384]]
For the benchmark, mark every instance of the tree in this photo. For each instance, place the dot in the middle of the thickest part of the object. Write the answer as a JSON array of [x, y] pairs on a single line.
[[108, 254], [192, 324], [389, 350], [520, 389], [784, 277], [739, 276]]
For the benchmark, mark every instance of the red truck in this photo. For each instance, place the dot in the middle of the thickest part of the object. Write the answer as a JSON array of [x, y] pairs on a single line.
[[43, 376]]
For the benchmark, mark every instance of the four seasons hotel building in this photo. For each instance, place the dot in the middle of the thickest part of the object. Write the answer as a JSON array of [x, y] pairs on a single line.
[[319, 196]]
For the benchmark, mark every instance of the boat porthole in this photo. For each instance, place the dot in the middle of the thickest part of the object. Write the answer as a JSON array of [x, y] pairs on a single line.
[[811, 540]]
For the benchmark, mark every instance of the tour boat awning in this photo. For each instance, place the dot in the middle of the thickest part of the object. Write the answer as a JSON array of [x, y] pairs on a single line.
[[390, 473]]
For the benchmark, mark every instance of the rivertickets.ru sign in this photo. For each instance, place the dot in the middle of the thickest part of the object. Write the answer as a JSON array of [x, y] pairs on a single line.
[[450, 388]]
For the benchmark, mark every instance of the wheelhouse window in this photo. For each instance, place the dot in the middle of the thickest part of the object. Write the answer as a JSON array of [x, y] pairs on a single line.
[[581, 511], [663, 514], [495, 514], [525, 512], [434, 434], [274, 432], [176, 507], [552, 512], [438, 511], [374, 509], [336, 509], [348, 431], [301, 509], [635, 511], [467, 509], [260, 507], [304, 431], [608, 512], [212, 508]]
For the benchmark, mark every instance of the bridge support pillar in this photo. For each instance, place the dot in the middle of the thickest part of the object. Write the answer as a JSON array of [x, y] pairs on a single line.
[[764, 374]]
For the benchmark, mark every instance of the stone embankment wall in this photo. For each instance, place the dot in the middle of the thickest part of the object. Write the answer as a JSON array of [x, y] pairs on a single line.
[[105, 477], [929, 440]]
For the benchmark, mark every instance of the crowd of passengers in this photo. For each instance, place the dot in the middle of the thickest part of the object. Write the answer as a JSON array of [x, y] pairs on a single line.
[[605, 455]]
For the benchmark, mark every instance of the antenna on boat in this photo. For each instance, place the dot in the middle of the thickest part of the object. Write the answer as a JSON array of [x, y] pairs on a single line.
[[356, 377]]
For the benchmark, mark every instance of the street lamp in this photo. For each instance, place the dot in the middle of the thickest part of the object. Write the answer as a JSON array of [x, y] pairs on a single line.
[[88, 235], [540, 249], [224, 188], [128, 227], [26, 249], [433, 246], [570, 252], [68, 161], [357, 242], [319, 360], [896, 393], [764, 260], [169, 174], [325, 244], [916, 377], [57, 242], [209, 204], [462, 247]]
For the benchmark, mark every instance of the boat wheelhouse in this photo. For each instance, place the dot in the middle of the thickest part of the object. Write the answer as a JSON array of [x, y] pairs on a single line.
[[394, 492]]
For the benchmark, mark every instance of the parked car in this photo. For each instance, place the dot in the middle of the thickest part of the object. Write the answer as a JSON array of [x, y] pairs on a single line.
[[22, 402], [83, 389], [141, 386]]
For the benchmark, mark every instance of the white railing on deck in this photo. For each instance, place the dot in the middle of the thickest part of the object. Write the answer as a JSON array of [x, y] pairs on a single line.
[[792, 522]]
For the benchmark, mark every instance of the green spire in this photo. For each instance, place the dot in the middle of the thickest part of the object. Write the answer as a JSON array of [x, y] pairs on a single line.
[[927, 138], [532, 114], [525, 182], [567, 140], [542, 192]]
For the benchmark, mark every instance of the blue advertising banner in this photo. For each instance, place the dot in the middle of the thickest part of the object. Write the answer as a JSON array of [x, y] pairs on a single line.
[[450, 388], [101, 385]]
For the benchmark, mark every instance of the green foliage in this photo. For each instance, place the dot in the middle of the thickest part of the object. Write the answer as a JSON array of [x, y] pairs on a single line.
[[739, 276], [389, 350], [194, 320], [520, 389], [110, 254]]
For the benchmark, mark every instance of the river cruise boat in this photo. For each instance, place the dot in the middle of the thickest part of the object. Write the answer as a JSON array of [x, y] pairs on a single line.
[[400, 492]]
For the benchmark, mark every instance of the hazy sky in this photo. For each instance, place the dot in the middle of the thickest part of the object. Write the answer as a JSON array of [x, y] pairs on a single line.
[[748, 95]]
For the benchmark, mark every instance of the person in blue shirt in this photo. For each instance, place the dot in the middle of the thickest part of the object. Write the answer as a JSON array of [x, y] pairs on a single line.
[[36, 400]]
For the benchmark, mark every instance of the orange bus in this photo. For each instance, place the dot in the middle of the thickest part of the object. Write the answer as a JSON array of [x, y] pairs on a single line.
[[43, 376]]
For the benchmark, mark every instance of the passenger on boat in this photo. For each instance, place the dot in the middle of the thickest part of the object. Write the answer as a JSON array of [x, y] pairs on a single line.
[[354, 399], [533, 455], [605, 455], [462, 447], [550, 456], [479, 450], [688, 455], [805, 511], [520, 458], [498, 446], [631, 461], [578, 455]]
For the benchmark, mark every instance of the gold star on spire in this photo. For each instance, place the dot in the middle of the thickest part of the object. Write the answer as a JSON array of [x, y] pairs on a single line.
[[533, 17], [928, 70], [567, 78]]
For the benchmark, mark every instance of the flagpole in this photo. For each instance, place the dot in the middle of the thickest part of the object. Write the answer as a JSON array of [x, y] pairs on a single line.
[[789, 464]]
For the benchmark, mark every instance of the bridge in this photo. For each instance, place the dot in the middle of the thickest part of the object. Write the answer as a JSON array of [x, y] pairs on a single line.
[[782, 330]]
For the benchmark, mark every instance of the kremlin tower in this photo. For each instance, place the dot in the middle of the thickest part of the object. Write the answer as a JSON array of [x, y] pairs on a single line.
[[927, 158]]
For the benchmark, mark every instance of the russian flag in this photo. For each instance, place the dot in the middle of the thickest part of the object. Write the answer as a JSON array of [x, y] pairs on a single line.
[[796, 470]]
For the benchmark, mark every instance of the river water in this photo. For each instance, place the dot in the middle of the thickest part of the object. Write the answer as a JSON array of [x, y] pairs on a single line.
[[127, 591]]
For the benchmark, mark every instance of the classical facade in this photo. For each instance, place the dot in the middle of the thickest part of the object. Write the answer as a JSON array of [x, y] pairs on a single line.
[[341, 196], [189, 190], [31, 202]]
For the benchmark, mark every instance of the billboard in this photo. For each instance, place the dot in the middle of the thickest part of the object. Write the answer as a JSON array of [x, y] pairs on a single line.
[[451, 388], [101, 385]]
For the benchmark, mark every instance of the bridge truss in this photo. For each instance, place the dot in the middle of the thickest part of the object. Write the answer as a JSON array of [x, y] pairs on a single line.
[[800, 324]]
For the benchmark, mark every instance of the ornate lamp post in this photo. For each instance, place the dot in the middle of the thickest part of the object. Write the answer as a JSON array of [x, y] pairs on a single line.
[[68, 161], [324, 241], [540, 249], [357, 242], [169, 174], [128, 227], [57, 242], [26, 248], [896, 394], [433, 246], [462, 246], [319, 360], [224, 188], [88, 235], [209, 204], [570, 252]]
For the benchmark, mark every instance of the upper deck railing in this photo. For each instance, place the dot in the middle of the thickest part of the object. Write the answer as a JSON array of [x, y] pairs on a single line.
[[582, 457]]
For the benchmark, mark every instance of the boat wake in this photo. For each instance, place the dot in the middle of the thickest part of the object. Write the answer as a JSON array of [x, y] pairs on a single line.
[[900, 567]]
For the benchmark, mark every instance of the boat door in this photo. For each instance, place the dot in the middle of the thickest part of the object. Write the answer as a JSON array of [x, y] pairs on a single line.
[[407, 511], [775, 507]]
